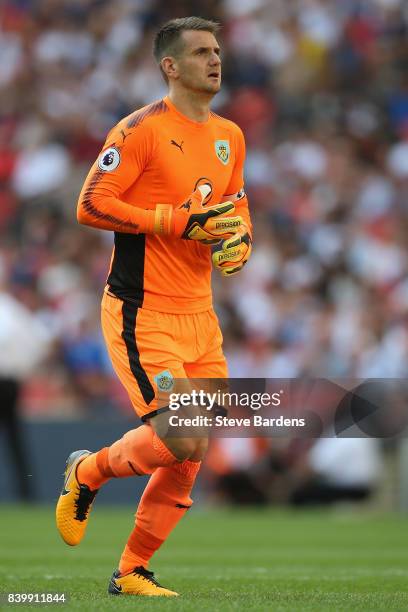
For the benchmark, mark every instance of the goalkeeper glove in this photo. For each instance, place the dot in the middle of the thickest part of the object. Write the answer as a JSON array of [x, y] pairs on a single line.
[[235, 252], [193, 221]]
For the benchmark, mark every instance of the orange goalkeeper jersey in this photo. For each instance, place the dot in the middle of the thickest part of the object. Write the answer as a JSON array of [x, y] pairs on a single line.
[[158, 156]]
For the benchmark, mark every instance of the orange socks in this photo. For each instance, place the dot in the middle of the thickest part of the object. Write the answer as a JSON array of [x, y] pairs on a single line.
[[140, 451], [94, 470], [165, 499], [164, 502]]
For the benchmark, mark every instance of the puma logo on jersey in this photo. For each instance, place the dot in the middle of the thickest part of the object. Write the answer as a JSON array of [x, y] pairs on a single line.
[[179, 146]]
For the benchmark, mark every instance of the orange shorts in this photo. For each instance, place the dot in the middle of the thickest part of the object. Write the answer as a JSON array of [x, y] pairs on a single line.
[[148, 349]]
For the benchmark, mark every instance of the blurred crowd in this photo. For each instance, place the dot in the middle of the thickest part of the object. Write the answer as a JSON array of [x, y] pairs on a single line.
[[320, 88]]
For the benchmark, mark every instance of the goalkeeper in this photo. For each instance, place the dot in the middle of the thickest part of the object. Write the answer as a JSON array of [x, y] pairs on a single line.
[[169, 184]]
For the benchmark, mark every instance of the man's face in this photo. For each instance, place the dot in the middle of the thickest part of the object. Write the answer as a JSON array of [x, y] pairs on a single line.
[[198, 66]]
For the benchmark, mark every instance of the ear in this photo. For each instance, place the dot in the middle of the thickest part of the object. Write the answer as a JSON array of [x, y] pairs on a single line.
[[169, 67]]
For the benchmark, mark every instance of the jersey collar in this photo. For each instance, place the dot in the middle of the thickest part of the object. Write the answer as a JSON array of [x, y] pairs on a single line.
[[185, 119]]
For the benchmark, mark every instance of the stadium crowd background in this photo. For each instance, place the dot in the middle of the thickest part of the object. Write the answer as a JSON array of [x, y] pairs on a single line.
[[320, 89]]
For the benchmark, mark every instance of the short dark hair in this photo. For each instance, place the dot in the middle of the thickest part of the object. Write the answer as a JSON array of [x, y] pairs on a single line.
[[167, 39]]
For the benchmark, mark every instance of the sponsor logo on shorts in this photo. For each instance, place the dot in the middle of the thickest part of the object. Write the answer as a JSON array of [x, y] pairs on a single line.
[[164, 381]]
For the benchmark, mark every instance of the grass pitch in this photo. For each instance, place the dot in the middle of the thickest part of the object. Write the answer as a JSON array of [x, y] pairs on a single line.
[[217, 560]]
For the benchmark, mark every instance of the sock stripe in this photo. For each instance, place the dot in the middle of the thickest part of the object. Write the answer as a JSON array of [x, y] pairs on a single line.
[[139, 548], [140, 540]]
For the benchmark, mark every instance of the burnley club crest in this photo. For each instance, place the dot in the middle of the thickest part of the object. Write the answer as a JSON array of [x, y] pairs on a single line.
[[222, 149]]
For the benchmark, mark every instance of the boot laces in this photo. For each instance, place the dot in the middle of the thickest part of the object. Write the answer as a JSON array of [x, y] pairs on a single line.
[[83, 502], [146, 574]]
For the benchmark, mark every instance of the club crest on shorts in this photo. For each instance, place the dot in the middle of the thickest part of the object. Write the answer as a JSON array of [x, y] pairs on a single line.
[[109, 159], [222, 149], [164, 381]]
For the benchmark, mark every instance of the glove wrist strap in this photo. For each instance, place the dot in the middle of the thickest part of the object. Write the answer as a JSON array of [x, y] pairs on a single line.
[[163, 220]]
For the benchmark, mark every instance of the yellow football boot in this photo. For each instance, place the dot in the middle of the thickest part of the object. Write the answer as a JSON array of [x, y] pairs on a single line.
[[139, 582], [74, 503]]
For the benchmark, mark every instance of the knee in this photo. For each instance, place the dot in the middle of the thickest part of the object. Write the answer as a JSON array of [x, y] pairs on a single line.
[[200, 450], [187, 448]]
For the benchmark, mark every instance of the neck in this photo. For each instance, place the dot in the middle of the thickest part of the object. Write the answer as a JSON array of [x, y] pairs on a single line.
[[195, 106]]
